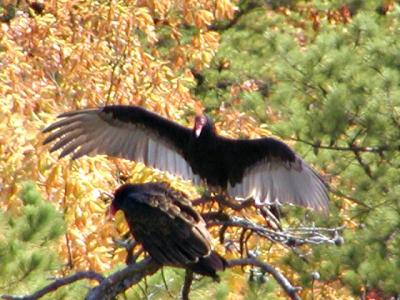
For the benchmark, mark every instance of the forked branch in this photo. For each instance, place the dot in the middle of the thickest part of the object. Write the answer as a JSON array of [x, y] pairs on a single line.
[[118, 282]]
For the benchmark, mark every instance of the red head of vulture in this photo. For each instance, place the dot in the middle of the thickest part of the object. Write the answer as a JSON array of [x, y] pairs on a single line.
[[170, 230], [265, 168]]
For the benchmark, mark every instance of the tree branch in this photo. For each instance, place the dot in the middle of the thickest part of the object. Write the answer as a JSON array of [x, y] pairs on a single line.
[[57, 284], [108, 288], [225, 202], [363, 165], [287, 237], [352, 199], [121, 280], [350, 148], [187, 285], [290, 290]]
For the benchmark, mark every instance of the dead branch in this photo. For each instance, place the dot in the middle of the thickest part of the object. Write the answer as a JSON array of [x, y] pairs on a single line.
[[290, 290], [286, 237], [121, 280], [57, 284], [109, 287], [224, 202]]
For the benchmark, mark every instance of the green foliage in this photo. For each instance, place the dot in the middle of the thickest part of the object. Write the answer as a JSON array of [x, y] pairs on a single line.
[[155, 287], [258, 287], [242, 49], [342, 92], [336, 90], [27, 254]]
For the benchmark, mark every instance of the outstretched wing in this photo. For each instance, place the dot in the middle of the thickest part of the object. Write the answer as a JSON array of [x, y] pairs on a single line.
[[129, 132], [270, 172]]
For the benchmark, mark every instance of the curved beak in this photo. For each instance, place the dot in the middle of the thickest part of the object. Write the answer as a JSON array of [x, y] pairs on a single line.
[[199, 122], [197, 129], [112, 210]]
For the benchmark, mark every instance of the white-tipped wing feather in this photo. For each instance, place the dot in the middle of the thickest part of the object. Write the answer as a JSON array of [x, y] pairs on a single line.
[[274, 181], [265, 169], [92, 131]]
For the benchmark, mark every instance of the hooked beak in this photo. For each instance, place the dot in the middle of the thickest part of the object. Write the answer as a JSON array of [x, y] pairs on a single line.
[[198, 127], [112, 210], [197, 130]]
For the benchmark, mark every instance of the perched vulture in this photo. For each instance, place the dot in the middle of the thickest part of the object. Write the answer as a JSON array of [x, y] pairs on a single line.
[[265, 169], [170, 230]]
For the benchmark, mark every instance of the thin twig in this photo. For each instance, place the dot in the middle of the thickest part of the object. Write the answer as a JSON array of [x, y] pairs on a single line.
[[187, 285], [67, 240], [116, 64], [57, 284], [165, 283]]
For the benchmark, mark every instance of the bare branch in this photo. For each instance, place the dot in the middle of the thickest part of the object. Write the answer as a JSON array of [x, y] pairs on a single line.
[[57, 284], [290, 290], [288, 237], [123, 279], [224, 202]]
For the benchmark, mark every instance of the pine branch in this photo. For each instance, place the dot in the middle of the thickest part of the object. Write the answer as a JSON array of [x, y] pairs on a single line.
[[57, 284], [364, 166], [352, 199], [350, 148]]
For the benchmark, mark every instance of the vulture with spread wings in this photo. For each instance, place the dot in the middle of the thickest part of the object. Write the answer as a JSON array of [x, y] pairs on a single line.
[[265, 169], [169, 229]]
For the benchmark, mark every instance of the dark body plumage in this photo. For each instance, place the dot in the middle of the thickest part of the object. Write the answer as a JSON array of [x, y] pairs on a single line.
[[170, 230], [265, 169]]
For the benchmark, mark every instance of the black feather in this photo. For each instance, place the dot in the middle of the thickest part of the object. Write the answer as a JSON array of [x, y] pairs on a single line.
[[266, 169], [170, 230]]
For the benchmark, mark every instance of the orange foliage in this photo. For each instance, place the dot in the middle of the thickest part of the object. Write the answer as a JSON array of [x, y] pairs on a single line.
[[78, 54]]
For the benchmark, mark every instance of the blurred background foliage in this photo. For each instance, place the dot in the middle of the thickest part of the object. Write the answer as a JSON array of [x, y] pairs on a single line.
[[322, 75]]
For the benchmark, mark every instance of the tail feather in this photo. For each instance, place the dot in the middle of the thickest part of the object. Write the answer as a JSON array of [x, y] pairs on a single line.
[[209, 265]]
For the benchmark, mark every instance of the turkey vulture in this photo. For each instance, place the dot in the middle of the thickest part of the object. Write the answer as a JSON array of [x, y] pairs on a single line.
[[170, 230], [265, 169]]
